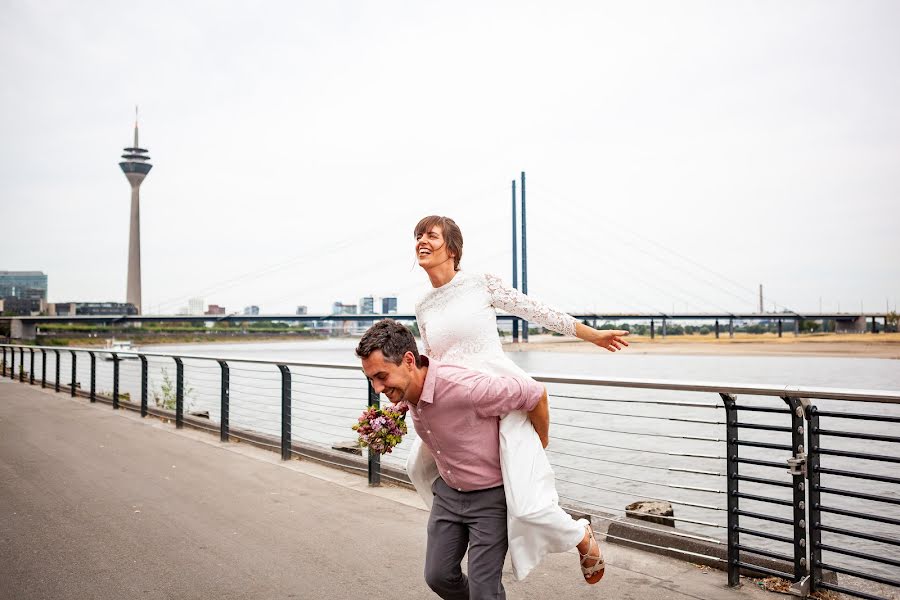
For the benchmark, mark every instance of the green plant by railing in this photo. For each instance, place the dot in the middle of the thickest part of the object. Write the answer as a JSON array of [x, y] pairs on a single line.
[[167, 396]]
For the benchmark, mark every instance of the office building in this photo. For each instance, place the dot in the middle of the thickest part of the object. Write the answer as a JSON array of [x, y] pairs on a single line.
[[339, 308], [68, 309], [23, 284], [389, 305], [195, 306], [24, 307]]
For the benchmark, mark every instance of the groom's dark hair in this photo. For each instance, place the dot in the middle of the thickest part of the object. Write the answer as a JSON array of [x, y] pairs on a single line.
[[393, 339]]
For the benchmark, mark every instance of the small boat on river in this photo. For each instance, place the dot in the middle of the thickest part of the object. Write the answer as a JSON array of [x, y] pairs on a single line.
[[124, 349]]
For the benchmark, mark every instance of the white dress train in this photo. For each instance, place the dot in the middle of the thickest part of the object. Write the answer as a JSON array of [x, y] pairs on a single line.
[[458, 324]]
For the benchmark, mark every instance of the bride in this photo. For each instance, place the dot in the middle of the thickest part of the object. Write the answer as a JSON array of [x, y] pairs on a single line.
[[458, 325]]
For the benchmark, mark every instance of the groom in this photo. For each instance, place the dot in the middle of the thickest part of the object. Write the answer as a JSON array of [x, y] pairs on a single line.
[[456, 412]]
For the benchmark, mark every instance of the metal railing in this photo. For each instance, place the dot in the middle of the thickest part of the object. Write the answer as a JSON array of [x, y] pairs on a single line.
[[757, 484]]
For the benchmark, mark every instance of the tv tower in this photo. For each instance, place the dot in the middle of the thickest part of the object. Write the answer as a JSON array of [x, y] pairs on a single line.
[[135, 167]]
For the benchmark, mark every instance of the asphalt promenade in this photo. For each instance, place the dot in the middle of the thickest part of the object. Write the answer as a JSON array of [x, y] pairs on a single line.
[[101, 504]]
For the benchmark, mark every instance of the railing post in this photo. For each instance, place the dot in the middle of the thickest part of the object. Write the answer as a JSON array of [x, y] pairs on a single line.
[[224, 402], [115, 380], [717, 329], [3, 368], [285, 412], [652, 329], [143, 384], [93, 377], [179, 393], [780, 327], [43, 368], [22, 365], [74, 360], [374, 399], [12, 363], [731, 328], [56, 382], [797, 468], [813, 497], [731, 472], [31, 367]]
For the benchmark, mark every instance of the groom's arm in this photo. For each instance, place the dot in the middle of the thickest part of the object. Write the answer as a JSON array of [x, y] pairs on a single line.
[[497, 395], [540, 419]]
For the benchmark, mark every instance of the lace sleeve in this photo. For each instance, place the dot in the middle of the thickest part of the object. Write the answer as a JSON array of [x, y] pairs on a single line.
[[518, 304]]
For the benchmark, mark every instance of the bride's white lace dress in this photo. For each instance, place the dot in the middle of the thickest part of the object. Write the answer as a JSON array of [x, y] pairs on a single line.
[[458, 325]]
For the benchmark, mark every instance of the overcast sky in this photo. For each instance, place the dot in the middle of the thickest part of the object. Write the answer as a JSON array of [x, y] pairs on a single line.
[[678, 154]]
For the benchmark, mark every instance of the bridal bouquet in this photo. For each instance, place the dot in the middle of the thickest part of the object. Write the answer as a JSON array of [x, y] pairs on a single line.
[[380, 429]]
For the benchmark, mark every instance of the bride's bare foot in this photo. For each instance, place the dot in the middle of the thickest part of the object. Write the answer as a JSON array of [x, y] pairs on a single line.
[[592, 564]]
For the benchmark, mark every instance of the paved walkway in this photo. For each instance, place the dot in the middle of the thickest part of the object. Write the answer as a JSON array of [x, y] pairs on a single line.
[[102, 504]]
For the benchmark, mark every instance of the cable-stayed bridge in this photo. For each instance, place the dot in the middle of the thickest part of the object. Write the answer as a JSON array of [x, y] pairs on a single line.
[[26, 327]]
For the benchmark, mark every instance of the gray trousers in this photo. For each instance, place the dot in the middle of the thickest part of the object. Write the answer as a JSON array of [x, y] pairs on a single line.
[[466, 520]]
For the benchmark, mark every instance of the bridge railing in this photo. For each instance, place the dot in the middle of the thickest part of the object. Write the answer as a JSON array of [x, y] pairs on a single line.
[[762, 480]]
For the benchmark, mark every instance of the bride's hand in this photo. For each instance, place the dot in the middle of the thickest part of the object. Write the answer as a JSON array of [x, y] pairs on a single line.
[[611, 339]]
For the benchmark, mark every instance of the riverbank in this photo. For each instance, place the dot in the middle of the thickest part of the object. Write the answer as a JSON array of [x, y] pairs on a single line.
[[144, 340], [867, 345], [881, 345]]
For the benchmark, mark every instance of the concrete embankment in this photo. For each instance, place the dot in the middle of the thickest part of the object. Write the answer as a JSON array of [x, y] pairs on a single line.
[[98, 503]]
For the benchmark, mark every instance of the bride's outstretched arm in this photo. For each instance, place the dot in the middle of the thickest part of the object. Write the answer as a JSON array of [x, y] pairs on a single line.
[[516, 303]]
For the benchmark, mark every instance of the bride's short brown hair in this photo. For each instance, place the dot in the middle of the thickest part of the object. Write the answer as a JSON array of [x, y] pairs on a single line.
[[452, 235]]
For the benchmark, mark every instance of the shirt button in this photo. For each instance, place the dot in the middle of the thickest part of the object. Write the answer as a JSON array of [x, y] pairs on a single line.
[[428, 431], [438, 451], [458, 489]]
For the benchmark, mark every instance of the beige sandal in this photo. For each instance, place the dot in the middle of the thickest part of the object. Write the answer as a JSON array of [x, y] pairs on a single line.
[[594, 572]]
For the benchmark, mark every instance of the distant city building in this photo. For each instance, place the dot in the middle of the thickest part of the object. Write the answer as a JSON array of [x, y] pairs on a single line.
[[195, 306], [105, 308], [366, 307], [23, 306], [23, 284], [215, 309], [251, 310], [302, 310], [62, 309], [339, 308], [69, 309], [389, 305], [343, 327]]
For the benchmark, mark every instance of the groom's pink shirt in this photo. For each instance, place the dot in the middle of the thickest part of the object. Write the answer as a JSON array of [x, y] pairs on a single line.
[[458, 418]]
